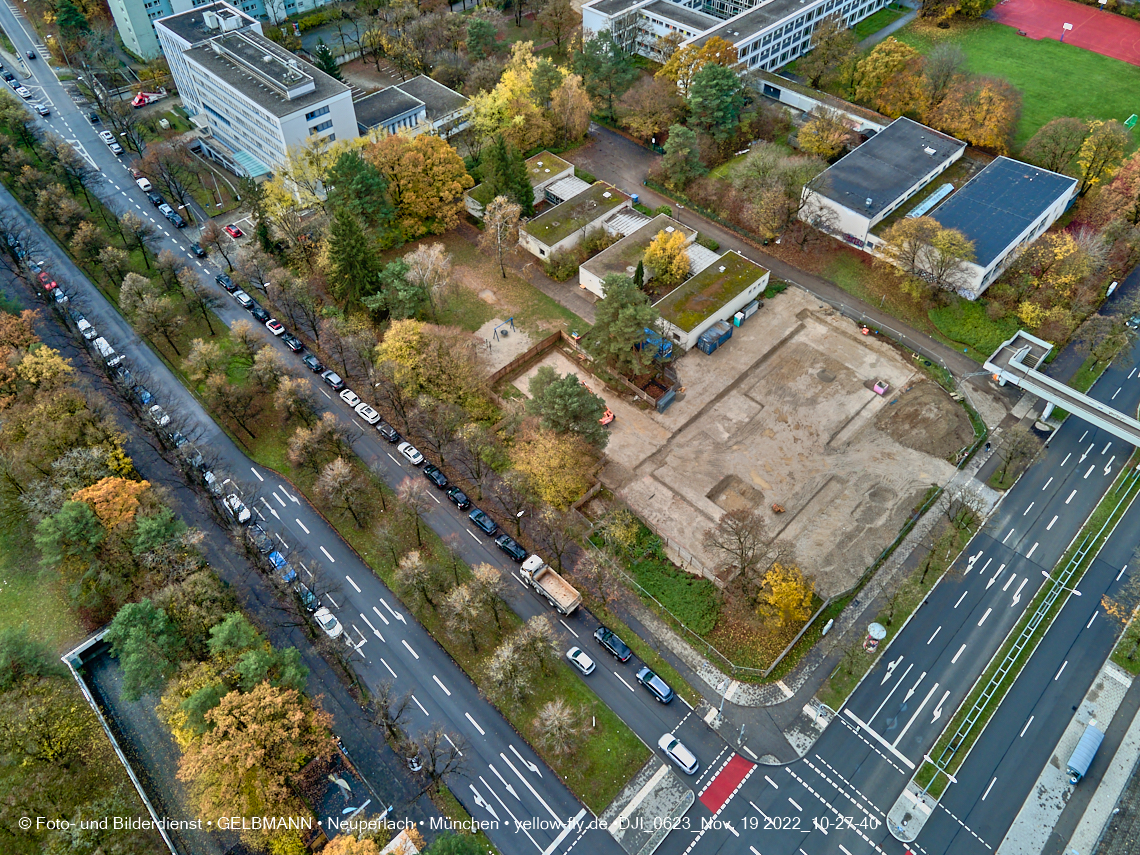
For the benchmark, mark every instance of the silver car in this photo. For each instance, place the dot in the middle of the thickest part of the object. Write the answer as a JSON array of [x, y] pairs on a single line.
[[581, 661], [678, 753]]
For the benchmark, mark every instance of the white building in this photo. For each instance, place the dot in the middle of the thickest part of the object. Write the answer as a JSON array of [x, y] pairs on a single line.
[[727, 285], [563, 226], [420, 105], [254, 99], [767, 35]]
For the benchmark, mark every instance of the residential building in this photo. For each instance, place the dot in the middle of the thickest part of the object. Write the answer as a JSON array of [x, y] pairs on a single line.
[[622, 257], [563, 226], [866, 185], [420, 105], [767, 35], [551, 177], [253, 98], [1002, 209], [728, 285]]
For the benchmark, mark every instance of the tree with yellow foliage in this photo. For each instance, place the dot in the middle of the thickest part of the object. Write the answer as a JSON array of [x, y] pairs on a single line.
[[983, 111], [786, 596], [511, 108], [824, 135], [668, 257], [346, 844], [558, 465], [890, 79], [1101, 153], [426, 181], [114, 500], [684, 64], [42, 366]]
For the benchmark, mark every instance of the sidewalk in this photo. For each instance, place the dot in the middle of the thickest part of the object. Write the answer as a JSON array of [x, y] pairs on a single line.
[[894, 27]]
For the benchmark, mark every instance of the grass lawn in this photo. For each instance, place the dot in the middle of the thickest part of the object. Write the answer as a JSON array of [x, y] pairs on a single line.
[[1055, 79], [32, 599], [881, 19]]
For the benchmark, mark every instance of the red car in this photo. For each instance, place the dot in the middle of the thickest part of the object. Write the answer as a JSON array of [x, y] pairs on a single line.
[[47, 281], [233, 231]]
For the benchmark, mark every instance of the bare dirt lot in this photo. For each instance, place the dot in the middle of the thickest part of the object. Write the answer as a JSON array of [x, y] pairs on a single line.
[[785, 413]]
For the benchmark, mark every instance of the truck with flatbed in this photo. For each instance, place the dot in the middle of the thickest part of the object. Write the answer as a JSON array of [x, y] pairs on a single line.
[[539, 575]]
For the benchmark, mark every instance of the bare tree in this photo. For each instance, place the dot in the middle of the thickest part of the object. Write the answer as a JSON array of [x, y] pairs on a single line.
[[478, 447], [389, 709], [213, 237], [489, 589], [964, 508], [594, 573], [255, 268], [268, 368], [343, 488], [441, 755], [237, 402], [200, 298], [414, 497], [507, 669], [537, 642], [387, 536], [1018, 445], [557, 726], [435, 424], [420, 578], [739, 539], [138, 232], [294, 399], [296, 304], [463, 613], [515, 497], [429, 269], [391, 395], [556, 532]]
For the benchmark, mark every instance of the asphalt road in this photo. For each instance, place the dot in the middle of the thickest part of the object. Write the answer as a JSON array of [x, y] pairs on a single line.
[[503, 781]]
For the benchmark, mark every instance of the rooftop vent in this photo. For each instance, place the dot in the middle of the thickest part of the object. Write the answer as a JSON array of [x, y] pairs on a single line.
[[721, 268], [930, 151], [669, 229], [606, 195], [869, 200], [210, 19], [546, 170], [267, 58]]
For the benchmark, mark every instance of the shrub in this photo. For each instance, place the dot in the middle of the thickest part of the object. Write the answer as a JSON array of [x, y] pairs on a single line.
[[708, 242], [664, 209], [562, 264], [968, 323]]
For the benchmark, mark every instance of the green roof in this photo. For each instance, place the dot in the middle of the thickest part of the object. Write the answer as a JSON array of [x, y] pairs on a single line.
[[544, 166], [481, 193], [563, 220], [625, 254], [694, 300]]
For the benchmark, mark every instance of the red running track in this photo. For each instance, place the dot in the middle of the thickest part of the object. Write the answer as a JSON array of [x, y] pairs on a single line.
[[721, 788], [1093, 29]]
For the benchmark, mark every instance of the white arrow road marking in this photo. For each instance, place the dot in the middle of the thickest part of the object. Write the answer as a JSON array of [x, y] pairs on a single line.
[[255, 472], [475, 724], [913, 717], [302, 525], [439, 683], [329, 557], [526, 762], [972, 559], [288, 495], [1109, 464], [481, 802], [914, 688], [938, 709], [371, 627], [405, 643], [380, 616], [892, 691], [1017, 593], [890, 670], [510, 789], [533, 791], [269, 507], [394, 614]]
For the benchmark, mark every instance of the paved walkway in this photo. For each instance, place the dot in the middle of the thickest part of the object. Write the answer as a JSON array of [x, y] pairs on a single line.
[[892, 27]]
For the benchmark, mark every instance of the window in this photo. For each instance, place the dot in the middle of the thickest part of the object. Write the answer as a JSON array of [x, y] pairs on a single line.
[[323, 111], [323, 126]]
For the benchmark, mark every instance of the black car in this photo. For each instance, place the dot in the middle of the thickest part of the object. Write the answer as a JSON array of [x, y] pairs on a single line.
[[259, 313], [309, 601], [9, 76], [510, 546], [259, 539], [433, 474], [93, 118], [459, 498], [612, 643], [176, 220], [31, 54], [156, 198], [197, 249], [656, 686], [388, 432], [312, 363], [225, 281], [482, 522], [293, 343]]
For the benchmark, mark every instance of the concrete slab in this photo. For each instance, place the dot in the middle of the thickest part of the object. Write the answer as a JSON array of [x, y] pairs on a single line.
[[649, 807]]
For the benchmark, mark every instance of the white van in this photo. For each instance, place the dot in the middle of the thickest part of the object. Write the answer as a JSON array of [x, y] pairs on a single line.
[[89, 332], [107, 352]]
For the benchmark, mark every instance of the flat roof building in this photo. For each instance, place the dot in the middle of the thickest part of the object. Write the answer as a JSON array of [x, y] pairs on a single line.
[[390, 110], [623, 256], [563, 226], [715, 294]]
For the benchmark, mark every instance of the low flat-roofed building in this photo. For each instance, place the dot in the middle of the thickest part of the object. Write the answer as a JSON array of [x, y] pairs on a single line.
[[445, 109], [727, 285], [544, 170], [563, 226], [389, 111], [1003, 208], [866, 185], [623, 256]]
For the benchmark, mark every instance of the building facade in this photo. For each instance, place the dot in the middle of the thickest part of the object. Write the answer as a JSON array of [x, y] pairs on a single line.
[[254, 100], [135, 19]]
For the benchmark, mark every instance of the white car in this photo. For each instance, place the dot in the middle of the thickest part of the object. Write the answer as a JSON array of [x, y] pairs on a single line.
[[368, 414], [350, 398], [237, 509], [144, 185], [678, 753], [411, 452], [581, 661], [24, 92], [158, 414], [328, 622], [107, 137]]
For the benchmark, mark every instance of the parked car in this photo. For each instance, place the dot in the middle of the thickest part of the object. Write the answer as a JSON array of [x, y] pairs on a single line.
[[144, 184], [678, 753], [459, 498], [10, 77], [350, 397], [327, 621], [275, 326], [116, 149], [388, 432], [176, 220], [612, 643], [259, 314], [282, 568], [244, 300], [656, 686], [367, 413], [24, 92], [197, 249], [212, 483], [158, 416], [580, 660], [433, 474], [332, 380], [165, 210], [93, 118], [512, 547], [483, 522], [144, 395], [309, 601], [259, 539], [233, 231], [42, 109], [312, 363], [237, 509], [292, 342], [225, 281], [411, 452], [86, 330], [107, 137]]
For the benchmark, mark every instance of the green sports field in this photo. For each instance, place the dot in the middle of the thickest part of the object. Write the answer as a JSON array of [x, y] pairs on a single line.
[[1054, 79]]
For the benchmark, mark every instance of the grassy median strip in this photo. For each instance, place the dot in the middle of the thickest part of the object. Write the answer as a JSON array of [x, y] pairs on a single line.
[[1081, 553]]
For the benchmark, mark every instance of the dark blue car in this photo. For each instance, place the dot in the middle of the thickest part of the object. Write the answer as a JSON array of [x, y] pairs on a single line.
[[483, 522]]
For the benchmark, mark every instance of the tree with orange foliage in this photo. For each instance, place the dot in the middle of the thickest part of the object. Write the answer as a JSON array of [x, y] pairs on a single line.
[[114, 500], [890, 79], [426, 180], [983, 111], [684, 64]]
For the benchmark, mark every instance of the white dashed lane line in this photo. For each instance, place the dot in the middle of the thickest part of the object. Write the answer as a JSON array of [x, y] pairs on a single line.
[[329, 557]]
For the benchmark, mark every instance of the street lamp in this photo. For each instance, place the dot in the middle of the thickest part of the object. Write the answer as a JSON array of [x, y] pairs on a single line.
[[1074, 591], [937, 769], [723, 689]]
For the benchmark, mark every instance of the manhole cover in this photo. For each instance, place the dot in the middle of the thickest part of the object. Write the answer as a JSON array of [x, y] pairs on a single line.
[[825, 376]]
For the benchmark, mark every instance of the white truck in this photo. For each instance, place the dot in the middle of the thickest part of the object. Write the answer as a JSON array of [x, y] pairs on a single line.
[[558, 592]]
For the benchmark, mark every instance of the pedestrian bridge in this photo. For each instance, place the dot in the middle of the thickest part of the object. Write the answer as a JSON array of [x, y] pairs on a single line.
[[1016, 362]]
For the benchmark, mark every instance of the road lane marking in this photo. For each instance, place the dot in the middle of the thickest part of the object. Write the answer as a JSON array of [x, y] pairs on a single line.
[[1066, 460], [960, 599], [1091, 468], [1047, 483], [302, 525], [1108, 465], [1026, 727], [880, 739], [1114, 394], [773, 783], [1070, 497], [627, 685], [437, 501], [393, 459], [392, 612], [910, 721], [1087, 625], [1051, 522], [418, 704], [477, 540], [956, 655], [280, 501], [533, 791], [475, 724], [357, 587], [573, 633], [331, 600], [258, 474], [795, 805], [935, 633], [1121, 573], [405, 642], [381, 616], [986, 615], [1008, 582], [279, 537], [389, 667], [1004, 539], [439, 683], [1107, 447], [1063, 664], [987, 792], [570, 826], [1032, 549], [1027, 510], [1083, 435], [751, 753], [329, 557]]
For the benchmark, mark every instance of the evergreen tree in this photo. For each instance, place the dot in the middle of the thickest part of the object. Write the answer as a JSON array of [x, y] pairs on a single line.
[[357, 185], [639, 275], [505, 174], [326, 62], [481, 39], [354, 266], [621, 319], [70, 19]]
